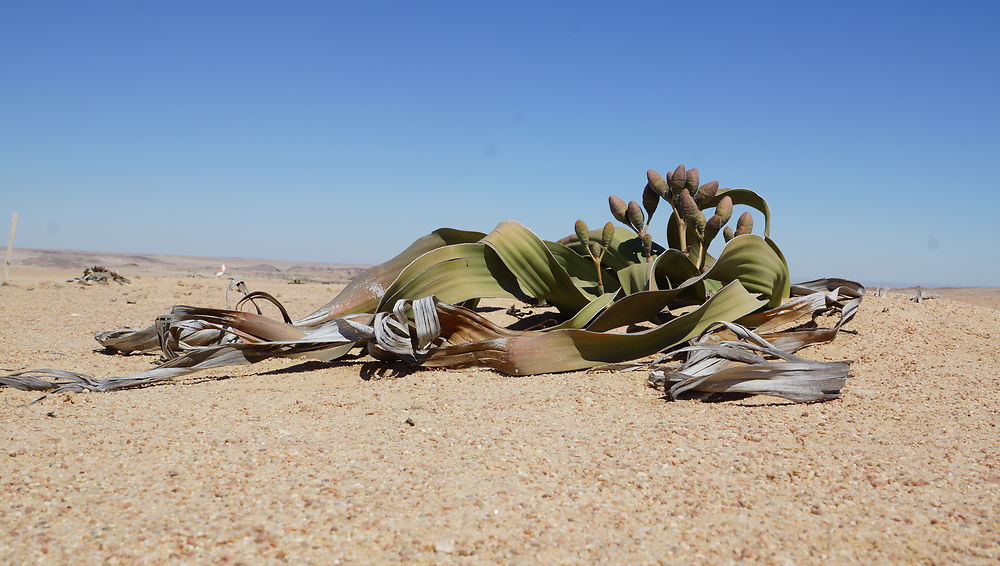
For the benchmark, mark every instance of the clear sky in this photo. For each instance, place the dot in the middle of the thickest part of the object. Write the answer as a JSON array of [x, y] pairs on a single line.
[[335, 131]]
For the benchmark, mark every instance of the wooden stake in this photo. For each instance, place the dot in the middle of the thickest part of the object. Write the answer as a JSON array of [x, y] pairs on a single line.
[[10, 247]]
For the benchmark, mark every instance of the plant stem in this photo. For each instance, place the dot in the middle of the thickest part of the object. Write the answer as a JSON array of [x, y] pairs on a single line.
[[597, 265], [600, 278]]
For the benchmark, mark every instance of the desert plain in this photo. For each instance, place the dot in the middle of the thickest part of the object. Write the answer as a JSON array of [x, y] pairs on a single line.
[[356, 462]]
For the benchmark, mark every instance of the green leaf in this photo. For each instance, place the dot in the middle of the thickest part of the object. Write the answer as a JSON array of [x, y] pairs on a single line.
[[581, 269], [364, 292], [671, 269], [757, 264], [529, 353], [635, 277], [454, 274], [586, 315], [537, 271], [632, 309]]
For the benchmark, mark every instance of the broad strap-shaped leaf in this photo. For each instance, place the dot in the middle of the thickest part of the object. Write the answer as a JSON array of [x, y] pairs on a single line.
[[587, 314], [633, 309], [454, 274], [748, 259], [443, 335], [635, 277], [746, 367], [756, 263], [566, 350], [818, 295], [262, 339], [672, 269], [485, 343], [581, 269], [538, 273], [364, 292]]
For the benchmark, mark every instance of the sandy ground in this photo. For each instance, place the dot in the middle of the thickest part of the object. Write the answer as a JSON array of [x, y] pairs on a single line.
[[989, 297], [315, 463]]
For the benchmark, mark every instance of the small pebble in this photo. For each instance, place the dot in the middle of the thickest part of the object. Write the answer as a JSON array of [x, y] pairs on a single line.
[[444, 546]]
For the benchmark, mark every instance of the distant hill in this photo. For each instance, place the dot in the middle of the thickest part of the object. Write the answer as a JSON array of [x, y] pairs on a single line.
[[131, 263]]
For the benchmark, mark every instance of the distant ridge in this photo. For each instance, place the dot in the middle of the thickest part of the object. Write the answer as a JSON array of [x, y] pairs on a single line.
[[177, 264]]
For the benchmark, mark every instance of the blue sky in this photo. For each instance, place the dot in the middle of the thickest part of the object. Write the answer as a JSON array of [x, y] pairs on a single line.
[[340, 132]]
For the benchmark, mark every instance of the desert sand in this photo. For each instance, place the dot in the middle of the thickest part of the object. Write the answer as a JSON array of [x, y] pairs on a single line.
[[344, 462]]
